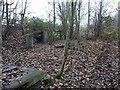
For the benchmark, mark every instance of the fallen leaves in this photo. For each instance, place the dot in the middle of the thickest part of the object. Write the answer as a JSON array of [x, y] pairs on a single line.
[[95, 65]]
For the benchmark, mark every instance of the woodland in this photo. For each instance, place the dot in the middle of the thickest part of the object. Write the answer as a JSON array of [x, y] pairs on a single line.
[[62, 52]]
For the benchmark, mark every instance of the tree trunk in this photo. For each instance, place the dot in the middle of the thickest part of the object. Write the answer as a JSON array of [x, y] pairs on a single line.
[[3, 9], [54, 15], [77, 18], [1, 4], [22, 16], [71, 20], [70, 26], [88, 25], [99, 25], [119, 27], [65, 54], [54, 19], [95, 27], [7, 18]]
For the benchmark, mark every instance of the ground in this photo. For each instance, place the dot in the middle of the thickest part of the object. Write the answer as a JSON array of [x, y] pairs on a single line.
[[90, 64]]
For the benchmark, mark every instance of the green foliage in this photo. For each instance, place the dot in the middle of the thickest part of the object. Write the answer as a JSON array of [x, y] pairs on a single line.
[[38, 23], [56, 35], [25, 20], [110, 32], [113, 35], [108, 23]]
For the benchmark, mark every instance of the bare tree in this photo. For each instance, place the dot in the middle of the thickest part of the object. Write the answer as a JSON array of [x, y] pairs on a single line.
[[14, 18], [78, 21], [3, 9], [70, 27], [54, 19], [88, 24], [50, 28], [101, 10], [73, 9], [99, 23], [7, 12], [7, 19], [119, 25], [1, 4], [63, 12], [95, 26], [23, 12]]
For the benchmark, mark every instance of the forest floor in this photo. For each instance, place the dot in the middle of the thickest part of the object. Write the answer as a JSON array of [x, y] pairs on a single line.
[[91, 64]]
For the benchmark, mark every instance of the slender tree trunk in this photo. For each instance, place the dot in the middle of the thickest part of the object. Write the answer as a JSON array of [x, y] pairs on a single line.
[[50, 29], [73, 9], [50, 32], [119, 16], [72, 20], [65, 54], [99, 28], [79, 6], [58, 76], [1, 4], [63, 17], [76, 25], [3, 9], [7, 16], [95, 26], [54, 19], [119, 27], [70, 26], [88, 25], [22, 23], [7, 19], [23, 15]]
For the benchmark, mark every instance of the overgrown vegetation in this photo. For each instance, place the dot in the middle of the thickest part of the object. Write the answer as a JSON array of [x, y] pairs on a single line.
[[38, 23], [86, 55]]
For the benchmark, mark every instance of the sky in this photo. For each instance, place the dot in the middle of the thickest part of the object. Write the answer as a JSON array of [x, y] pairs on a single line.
[[38, 8], [41, 8]]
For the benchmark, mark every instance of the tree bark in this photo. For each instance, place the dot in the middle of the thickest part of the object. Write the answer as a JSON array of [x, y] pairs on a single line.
[[7, 19], [22, 16], [77, 18], [95, 26], [58, 76], [1, 4], [119, 27], [70, 26], [88, 25], [73, 9], [99, 25], [3, 9], [54, 19]]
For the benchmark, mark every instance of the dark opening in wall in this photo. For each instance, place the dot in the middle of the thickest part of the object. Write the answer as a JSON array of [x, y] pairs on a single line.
[[39, 37]]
